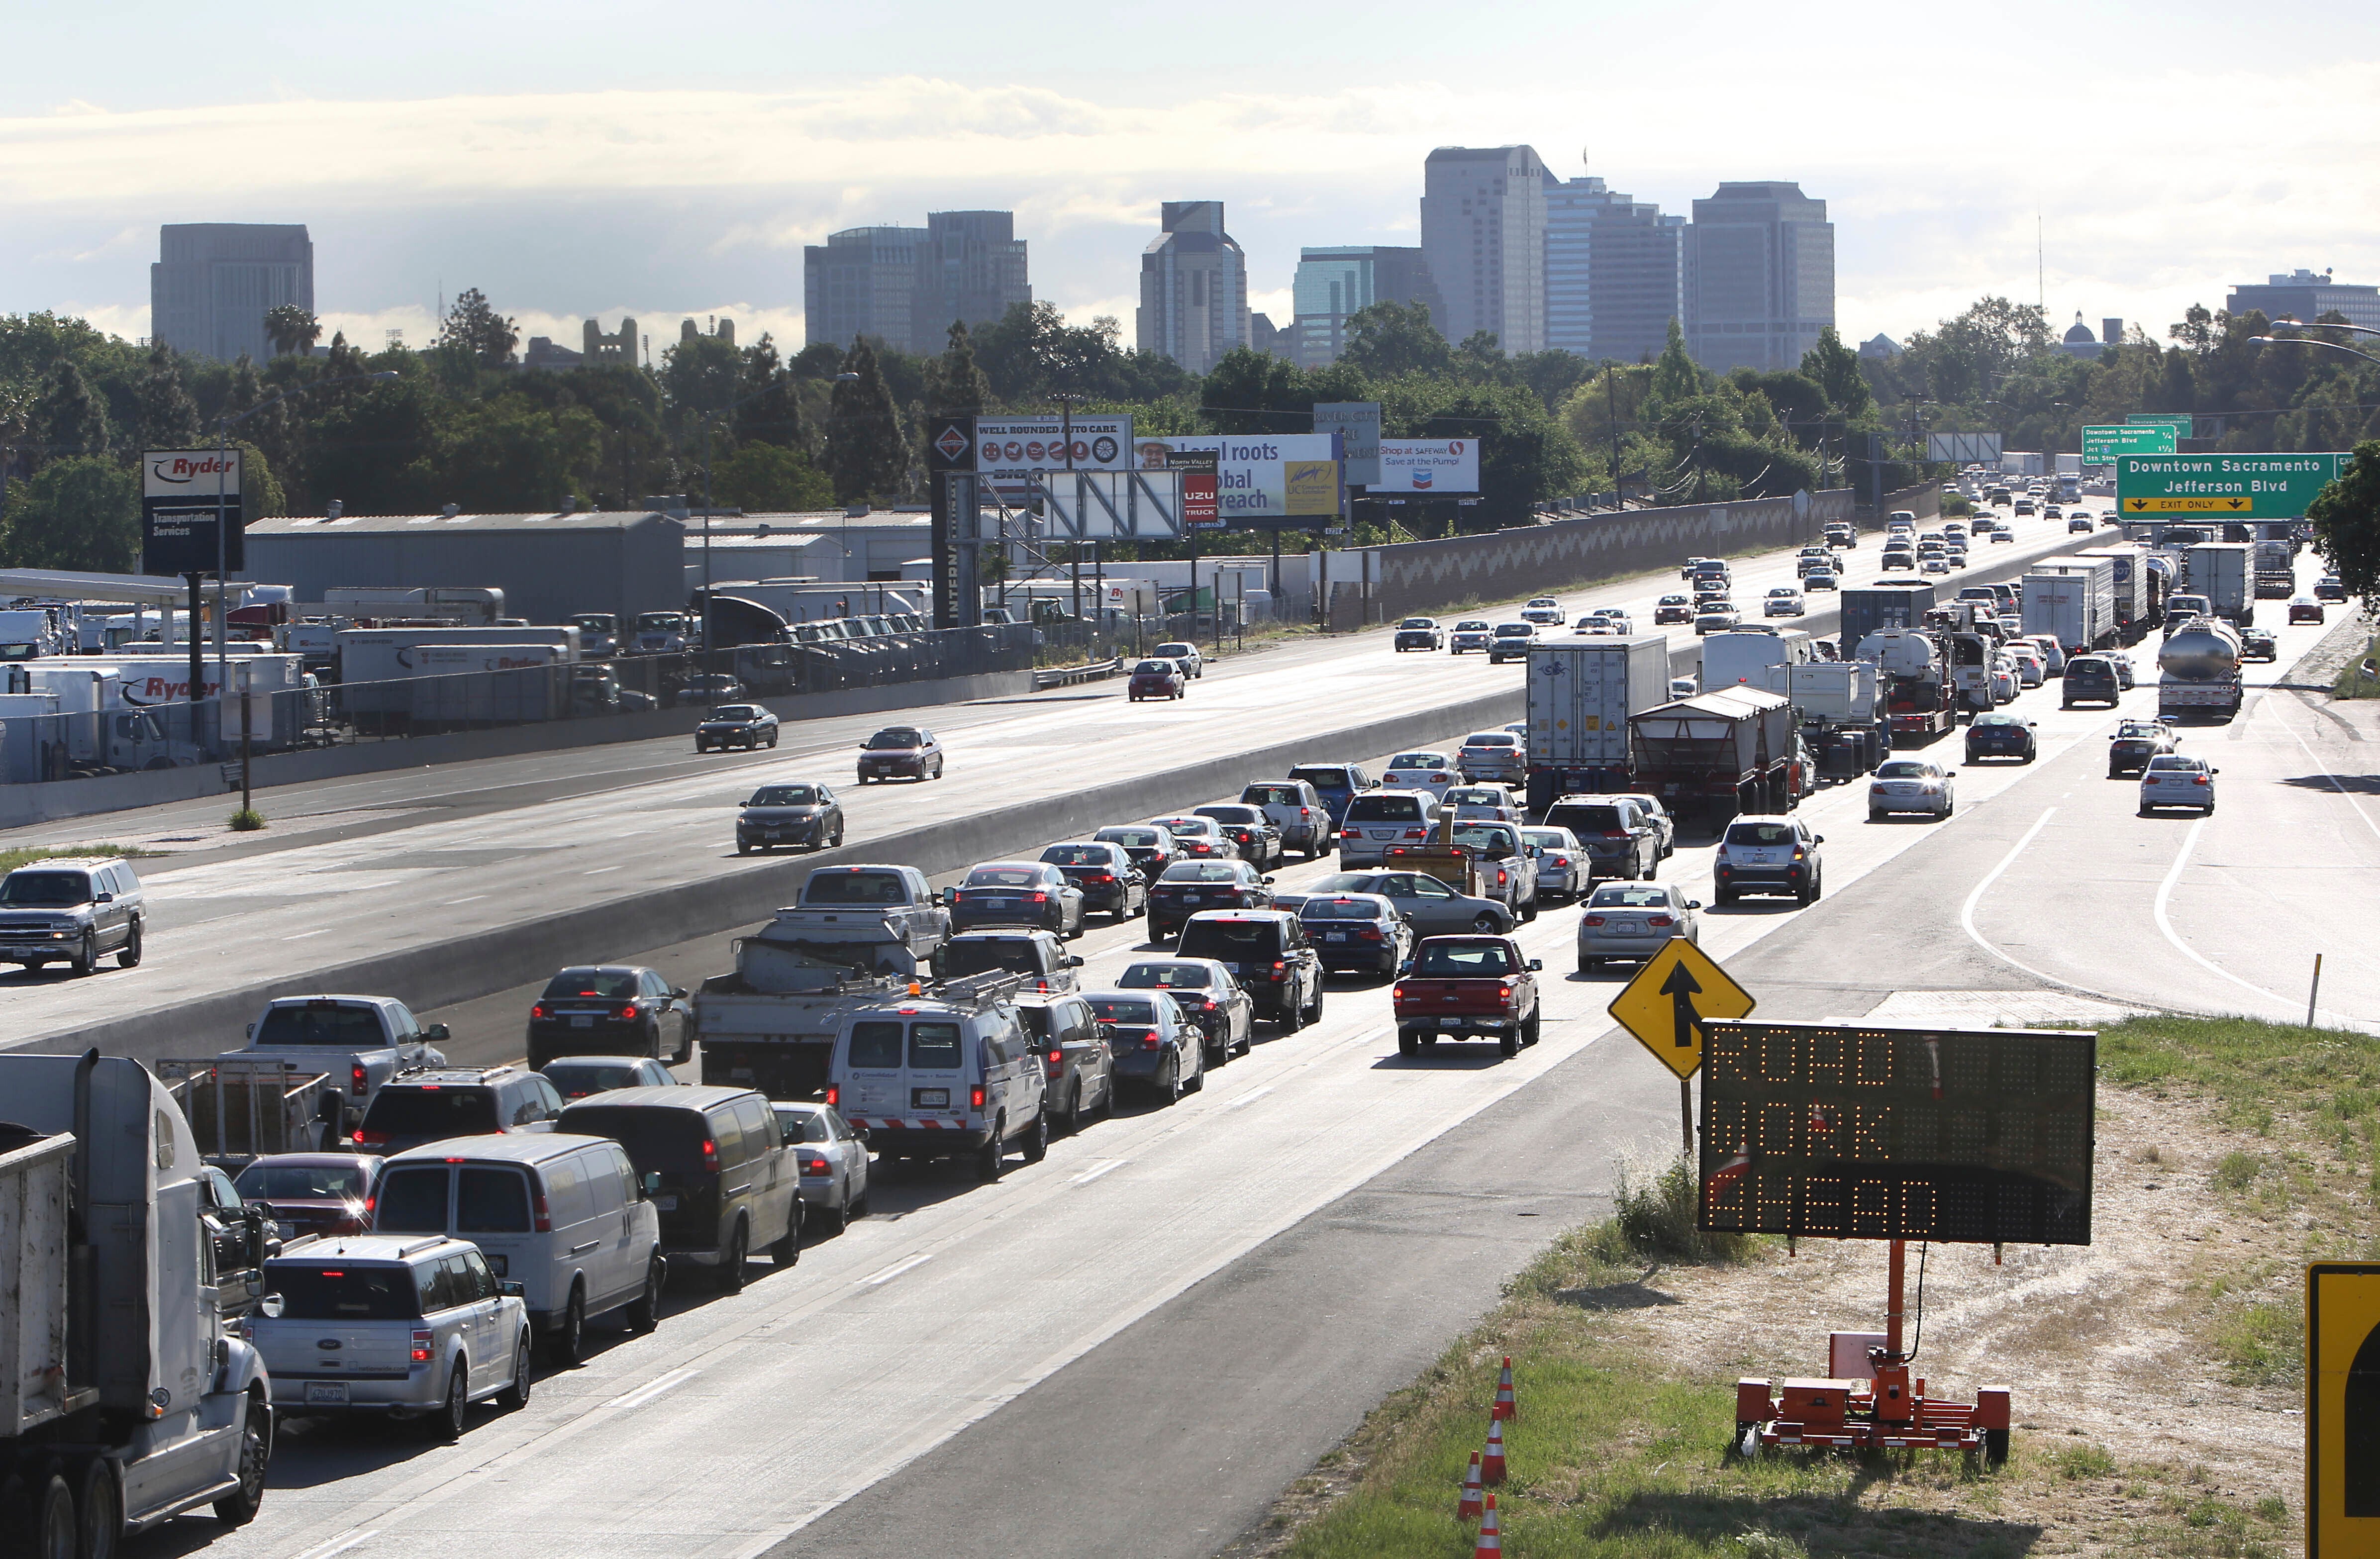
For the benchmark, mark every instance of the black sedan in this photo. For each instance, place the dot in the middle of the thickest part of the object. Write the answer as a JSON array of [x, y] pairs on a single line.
[[1200, 838], [1208, 994], [610, 1009], [800, 813], [2255, 644], [1187, 886], [1104, 871], [2329, 588], [2134, 743], [1357, 931], [1248, 828], [2000, 736], [1017, 893], [737, 725], [901, 752]]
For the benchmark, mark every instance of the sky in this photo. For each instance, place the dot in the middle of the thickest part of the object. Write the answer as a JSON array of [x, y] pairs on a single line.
[[595, 159]]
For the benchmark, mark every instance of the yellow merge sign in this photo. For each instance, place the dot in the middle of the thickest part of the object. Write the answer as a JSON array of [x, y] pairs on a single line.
[[1666, 1005], [2342, 1410]]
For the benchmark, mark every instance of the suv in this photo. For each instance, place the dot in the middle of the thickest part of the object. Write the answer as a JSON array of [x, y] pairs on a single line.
[[1268, 953], [405, 1327], [2091, 679], [1768, 854], [1035, 955], [951, 1075], [1296, 808], [1620, 838], [714, 1162], [611, 1010], [1512, 642], [430, 1106], [72, 913], [1420, 633], [1378, 819], [1336, 783], [1074, 1054]]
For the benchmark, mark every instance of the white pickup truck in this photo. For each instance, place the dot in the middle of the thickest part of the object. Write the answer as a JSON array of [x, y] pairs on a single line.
[[358, 1042]]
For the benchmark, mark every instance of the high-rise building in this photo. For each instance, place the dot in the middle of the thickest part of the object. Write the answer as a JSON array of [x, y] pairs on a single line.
[[971, 267], [1194, 287], [214, 281], [1483, 231], [1760, 276], [1615, 271], [904, 285], [1332, 284], [2306, 296]]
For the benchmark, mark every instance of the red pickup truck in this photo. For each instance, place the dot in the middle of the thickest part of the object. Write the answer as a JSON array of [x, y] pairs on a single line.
[[1465, 988]]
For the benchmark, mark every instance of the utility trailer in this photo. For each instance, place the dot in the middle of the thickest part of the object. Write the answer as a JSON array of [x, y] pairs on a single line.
[[1717, 754], [241, 1108]]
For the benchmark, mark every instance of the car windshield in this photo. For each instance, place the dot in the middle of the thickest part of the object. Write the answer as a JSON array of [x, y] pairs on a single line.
[[1330, 778], [338, 1025], [1547, 839], [346, 1291], [1166, 977], [1595, 819], [1471, 625], [1996, 719], [1343, 909], [1464, 960], [854, 888], [1133, 1011], [1629, 896], [601, 984], [595, 622], [734, 712], [1417, 623], [1514, 631], [1760, 833], [662, 1139], [1002, 876], [576, 1080], [1193, 827], [302, 1182], [1233, 941], [1078, 855], [1179, 651], [1241, 814], [2168, 762], [784, 795], [1155, 669], [970, 956], [1131, 839], [2140, 732], [1492, 840], [894, 738], [45, 891], [1200, 871], [1489, 739], [1902, 768], [433, 1109], [1272, 795]]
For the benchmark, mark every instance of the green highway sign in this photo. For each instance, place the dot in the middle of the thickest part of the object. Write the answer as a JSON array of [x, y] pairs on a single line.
[[2235, 486], [2180, 420], [2104, 440]]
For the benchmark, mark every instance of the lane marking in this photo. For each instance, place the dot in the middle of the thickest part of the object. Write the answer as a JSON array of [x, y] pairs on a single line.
[[886, 1275], [303, 935], [340, 1544], [1967, 909], [2165, 923], [600, 871], [472, 900], [651, 1389], [1244, 1100], [1104, 1166], [2328, 776]]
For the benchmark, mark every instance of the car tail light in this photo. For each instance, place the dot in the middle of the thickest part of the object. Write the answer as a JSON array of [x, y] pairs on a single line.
[[356, 1074], [1350, 833], [1615, 833], [536, 1014], [1280, 969], [1659, 920], [540, 1218], [1057, 1057], [1099, 877], [1150, 1042], [367, 1138], [1416, 833], [833, 1095], [628, 1013], [1510, 992], [421, 1349], [711, 1153], [2200, 780], [1593, 919], [814, 1167], [975, 1097], [1039, 898], [1369, 933]]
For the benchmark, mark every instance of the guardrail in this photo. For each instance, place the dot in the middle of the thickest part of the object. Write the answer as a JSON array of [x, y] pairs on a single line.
[[1067, 676]]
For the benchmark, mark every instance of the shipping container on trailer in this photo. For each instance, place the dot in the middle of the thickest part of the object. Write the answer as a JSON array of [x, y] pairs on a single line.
[[1581, 694]]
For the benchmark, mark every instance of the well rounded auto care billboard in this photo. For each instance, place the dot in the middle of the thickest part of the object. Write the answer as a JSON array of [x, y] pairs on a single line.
[[1009, 449], [1429, 466]]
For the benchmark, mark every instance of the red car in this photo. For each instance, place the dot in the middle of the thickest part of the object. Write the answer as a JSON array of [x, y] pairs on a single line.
[[1156, 679], [1463, 988], [322, 1193], [2306, 610]]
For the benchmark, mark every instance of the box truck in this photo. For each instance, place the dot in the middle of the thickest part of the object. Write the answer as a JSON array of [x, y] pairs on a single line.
[[2073, 598], [1581, 693]]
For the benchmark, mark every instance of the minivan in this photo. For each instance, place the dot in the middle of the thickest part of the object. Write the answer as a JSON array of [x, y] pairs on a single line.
[[953, 1075], [715, 1165], [563, 1216], [1377, 819]]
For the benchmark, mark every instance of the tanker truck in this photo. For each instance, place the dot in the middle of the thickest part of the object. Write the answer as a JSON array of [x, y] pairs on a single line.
[[2199, 667], [1921, 696]]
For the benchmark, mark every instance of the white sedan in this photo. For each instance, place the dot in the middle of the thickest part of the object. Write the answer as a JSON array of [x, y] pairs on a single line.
[[1618, 617], [2172, 780], [1909, 785], [1782, 601]]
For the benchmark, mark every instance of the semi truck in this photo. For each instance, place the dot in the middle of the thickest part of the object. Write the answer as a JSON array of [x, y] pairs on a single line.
[[2275, 567], [466, 606], [1745, 655], [1718, 753], [2223, 572], [1838, 706], [2138, 590], [2072, 599], [1883, 606], [1920, 693], [124, 1399], [2199, 670], [1581, 694]]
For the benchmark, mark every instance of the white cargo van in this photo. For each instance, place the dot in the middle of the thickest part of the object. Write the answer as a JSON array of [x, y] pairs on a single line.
[[948, 1075]]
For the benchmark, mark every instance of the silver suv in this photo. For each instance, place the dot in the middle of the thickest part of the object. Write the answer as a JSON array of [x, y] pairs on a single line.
[[72, 913]]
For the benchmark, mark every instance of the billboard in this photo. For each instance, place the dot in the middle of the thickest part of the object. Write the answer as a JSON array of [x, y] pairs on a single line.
[[1259, 477], [180, 491], [1357, 423], [1965, 449], [1428, 465], [1008, 449]]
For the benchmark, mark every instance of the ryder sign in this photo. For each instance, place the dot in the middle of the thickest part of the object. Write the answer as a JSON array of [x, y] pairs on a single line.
[[182, 490]]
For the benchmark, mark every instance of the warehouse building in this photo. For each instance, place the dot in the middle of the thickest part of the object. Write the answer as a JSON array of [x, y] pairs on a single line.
[[549, 567]]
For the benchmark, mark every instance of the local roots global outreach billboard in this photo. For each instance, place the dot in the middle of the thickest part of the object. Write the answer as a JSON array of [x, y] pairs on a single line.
[[1257, 478]]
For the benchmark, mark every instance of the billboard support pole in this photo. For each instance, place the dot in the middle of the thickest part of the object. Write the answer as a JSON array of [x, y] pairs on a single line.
[[198, 650], [223, 558]]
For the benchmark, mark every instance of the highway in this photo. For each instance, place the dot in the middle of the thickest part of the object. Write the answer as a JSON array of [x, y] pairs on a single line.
[[1132, 1346]]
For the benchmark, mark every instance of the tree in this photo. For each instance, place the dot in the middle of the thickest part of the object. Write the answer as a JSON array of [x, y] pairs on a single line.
[[293, 330], [1385, 340], [955, 385], [866, 454], [2196, 331], [476, 328], [169, 418], [1676, 377], [80, 512], [767, 479], [68, 419], [1253, 391], [2346, 516], [1835, 368], [507, 456], [771, 408]]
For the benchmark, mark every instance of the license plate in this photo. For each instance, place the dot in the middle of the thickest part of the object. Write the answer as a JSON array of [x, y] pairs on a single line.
[[326, 1393], [1190, 898], [1334, 935], [1626, 927], [665, 1203], [1450, 1022], [995, 903], [933, 1098], [582, 1022]]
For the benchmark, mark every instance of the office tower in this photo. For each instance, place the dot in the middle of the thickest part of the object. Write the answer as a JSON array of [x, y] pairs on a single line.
[[1332, 284], [214, 281], [2306, 296], [1483, 231], [1194, 287], [971, 267], [863, 280], [1615, 271], [1760, 276]]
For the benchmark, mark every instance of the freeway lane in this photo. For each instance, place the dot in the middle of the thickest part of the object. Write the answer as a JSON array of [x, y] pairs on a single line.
[[423, 859]]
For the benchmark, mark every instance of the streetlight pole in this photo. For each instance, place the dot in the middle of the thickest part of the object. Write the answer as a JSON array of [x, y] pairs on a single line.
[[2314, 341]]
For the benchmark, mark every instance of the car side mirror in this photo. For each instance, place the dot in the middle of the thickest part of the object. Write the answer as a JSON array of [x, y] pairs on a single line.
[[1693, 903], [251, 1031], [649, 1182], [2214, 771], [938, 896], [435, 1032], [511, 1288], [1535, 964], [255, 1284], [1073, 961], [1818, 838], [678, 994], [1268, 882], [102, 899]]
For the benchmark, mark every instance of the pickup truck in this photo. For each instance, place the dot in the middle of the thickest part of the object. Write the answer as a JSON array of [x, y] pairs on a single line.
[[1466, 988], [358, 1042], [899, 891], [1035, 954], [1484, 858]]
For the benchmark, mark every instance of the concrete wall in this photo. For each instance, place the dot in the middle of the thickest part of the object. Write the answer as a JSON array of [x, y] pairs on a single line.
[[24, 804]]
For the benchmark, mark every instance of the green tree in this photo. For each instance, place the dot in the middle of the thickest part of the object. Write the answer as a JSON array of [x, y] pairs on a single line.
[[1253, 391], [1385, 340], [2346, 517], [1676, 377], [955, 385], [2197, 329], [472, 325], [169, 418], [769, 478], [80, 513], [771, 408], [1835, 369], [507, 456], [866, 454], [68, 419], [293, 330]]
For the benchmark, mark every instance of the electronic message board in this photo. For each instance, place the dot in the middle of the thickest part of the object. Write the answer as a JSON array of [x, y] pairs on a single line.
[[1849, 1133]]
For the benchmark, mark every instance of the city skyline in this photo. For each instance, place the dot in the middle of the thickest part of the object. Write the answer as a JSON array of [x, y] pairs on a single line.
[[411, 193]]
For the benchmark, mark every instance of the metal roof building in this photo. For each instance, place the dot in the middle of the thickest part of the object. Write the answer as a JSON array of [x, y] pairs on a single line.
[[548, 566]]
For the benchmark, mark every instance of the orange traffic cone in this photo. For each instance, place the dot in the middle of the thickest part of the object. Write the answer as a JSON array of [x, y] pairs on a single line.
[[1491, 1460], [1505, 1406], [1491, 1540], [1468, 1510]]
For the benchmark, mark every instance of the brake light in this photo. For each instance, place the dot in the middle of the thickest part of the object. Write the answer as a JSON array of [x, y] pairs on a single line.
[[422, 1341], [1057, 1057], [815, 1167], [537, 1013], [711, 1153], [975, 1097], [1101, 876], [1615, 833], [1659, 920], [540, 1218], [1510, 994], [628, 1013], [1039, 898], [1593, 920], [1369, 933], [2200, 780], [370, 1203], [365, 1137], [1150, 1042], [357, 1073], [1416, 833], [833, 1095], [1350, 833]]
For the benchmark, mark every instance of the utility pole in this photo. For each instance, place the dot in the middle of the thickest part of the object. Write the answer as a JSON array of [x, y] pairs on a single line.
[[1066, 434]]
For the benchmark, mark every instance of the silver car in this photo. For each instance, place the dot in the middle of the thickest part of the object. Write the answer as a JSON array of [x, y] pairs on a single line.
[[832, 1156], [1562, 866], [1911, 785], [1493, 755], [2172, 780], [72, 913], [1633, 920], [1656, 815]]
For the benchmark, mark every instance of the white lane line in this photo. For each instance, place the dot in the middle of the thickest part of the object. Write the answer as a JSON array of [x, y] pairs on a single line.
[[1242, 1102], [879, 1279], [472, 900], [651, 1389], [2327, 775], [1967, 909], [2165, 893], [340, 1544], [1104, 1166], [303, 935], [600, 871]]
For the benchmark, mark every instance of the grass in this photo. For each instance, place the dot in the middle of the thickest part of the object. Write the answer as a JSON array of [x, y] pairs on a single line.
[[1621, 1446], [2351, 682], [247, 821], [12, 859]]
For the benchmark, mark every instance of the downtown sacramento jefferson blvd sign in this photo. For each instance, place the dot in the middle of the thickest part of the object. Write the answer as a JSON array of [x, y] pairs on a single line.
[[2241, 487]]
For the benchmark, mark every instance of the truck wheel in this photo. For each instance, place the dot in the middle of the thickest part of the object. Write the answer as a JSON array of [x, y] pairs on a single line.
[[1408, 1044], [987, 1158], [1509, 1045], [1036, 1141], [1528, 911], [645, 1309], [787, 1249], [1074, 1115], [128, 956], [567, 1343], [101, 1508], [86, 961], [1529, 1028], [514, 1397], [732, 1260], [44, 1522]]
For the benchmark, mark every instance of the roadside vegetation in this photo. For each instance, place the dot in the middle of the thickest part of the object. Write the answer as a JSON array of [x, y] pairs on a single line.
[[2353, 681], [12, 859], [2230, 1151]]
